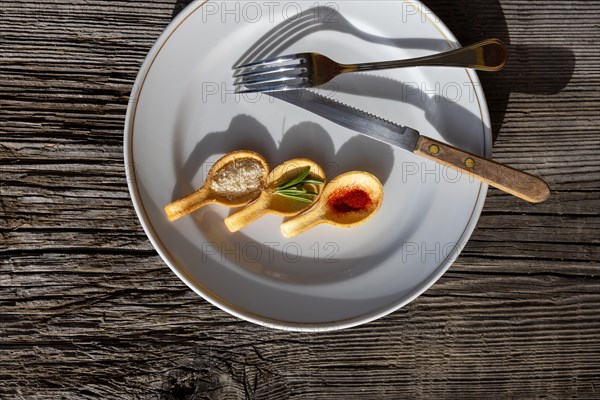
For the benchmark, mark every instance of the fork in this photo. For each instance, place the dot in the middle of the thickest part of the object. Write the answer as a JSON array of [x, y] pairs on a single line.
[[305, 70]]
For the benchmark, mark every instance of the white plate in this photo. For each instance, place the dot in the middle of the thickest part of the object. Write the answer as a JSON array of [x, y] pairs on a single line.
[[183, 117]]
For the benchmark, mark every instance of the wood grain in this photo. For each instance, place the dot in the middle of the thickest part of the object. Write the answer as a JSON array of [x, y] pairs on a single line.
[[88, 310]]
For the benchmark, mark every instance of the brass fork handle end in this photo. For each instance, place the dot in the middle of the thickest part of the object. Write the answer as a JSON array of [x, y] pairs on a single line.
[[489, 55]]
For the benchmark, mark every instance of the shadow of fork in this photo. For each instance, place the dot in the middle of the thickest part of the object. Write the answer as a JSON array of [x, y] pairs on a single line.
[[322, 18]]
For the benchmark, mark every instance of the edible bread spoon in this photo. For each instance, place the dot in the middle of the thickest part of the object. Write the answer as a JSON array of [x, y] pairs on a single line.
[[206, 194], [324, 212], [270, 202]]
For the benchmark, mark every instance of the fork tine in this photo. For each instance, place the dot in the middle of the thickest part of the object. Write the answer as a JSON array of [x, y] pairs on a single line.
[[268, 78], [268, 82], [269, 61], [265, 71], [275, 88]]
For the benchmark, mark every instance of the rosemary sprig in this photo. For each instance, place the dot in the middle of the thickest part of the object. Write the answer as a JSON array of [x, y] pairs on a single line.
[[293, 189]]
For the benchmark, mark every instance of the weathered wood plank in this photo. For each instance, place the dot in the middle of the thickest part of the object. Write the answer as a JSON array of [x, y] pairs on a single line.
[[444, 340]]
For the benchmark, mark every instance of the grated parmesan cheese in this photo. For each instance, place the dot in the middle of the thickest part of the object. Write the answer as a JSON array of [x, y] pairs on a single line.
[[238, 178]]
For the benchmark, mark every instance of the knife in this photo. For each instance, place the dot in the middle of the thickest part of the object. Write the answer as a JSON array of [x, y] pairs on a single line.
[[507, 179]]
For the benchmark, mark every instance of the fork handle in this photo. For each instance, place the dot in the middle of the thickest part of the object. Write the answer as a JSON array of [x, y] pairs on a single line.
[[507, 179], [489, 55]]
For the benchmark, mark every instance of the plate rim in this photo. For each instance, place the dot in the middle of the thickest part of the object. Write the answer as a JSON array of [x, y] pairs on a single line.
[[236, 310]]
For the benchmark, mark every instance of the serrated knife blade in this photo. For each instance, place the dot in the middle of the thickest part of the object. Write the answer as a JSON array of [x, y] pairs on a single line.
[[507, 179], [352, 118]]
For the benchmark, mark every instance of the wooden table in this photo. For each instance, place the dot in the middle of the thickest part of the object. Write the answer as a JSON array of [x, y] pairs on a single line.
[[89, 310]]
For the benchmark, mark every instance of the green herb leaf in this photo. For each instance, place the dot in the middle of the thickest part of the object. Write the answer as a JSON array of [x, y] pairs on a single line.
[[295, 192], [295, 181], [298, 198], [310, 182], [292, 189]]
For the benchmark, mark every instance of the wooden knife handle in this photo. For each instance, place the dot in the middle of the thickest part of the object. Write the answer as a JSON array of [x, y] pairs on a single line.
[[507, 179]]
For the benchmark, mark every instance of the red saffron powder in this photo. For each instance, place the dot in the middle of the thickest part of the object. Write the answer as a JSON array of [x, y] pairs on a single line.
[[348, 200]]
